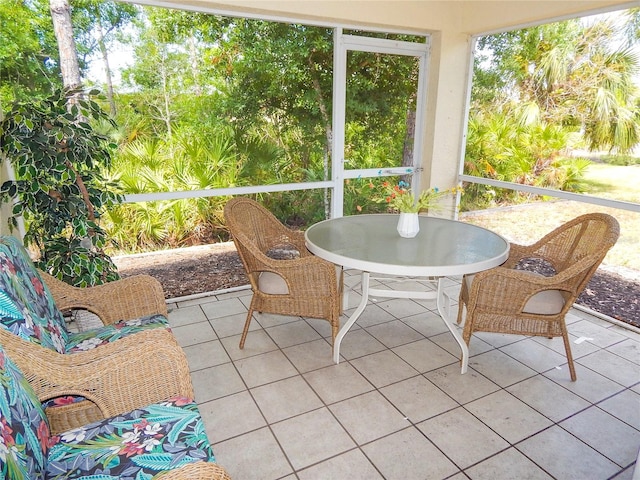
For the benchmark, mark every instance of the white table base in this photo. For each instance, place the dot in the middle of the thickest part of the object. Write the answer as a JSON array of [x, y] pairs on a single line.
[[443, 302]]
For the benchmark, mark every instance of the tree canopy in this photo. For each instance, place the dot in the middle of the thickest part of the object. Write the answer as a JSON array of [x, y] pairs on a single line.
[[209, 101]]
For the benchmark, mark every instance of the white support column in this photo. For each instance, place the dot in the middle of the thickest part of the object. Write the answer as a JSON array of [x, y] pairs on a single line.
[[339, 99], [446, 110]]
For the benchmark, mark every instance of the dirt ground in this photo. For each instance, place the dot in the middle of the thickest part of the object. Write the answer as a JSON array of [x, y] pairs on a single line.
[[215, 267], [188, 271]]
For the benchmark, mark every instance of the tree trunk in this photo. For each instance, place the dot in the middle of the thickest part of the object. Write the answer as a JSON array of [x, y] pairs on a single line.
[[107, 69], [166, 110], [315, 81], [409, 138], [69, 67], [194, 61]]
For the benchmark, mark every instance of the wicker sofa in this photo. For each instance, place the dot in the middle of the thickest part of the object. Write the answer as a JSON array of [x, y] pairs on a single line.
[[163, 440], [80, 376]]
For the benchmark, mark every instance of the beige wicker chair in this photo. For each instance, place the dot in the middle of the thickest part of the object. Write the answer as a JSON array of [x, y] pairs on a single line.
[[149, 357], [303, 286], [508, 299]]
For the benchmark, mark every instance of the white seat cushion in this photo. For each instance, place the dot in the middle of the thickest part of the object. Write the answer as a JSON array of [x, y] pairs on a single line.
[[273, 284], [547, 302]]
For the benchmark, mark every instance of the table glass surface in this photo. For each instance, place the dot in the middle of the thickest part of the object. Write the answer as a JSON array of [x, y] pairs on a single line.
[[372, 243]]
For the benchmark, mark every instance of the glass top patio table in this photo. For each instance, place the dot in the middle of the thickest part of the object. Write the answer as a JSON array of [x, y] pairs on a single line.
[[371, 243]]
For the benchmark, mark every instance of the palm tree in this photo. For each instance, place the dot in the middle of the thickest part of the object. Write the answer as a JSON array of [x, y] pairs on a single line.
[[576, 74]]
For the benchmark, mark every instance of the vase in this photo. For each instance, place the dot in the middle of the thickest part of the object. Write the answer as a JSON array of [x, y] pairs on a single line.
[[408, 225]]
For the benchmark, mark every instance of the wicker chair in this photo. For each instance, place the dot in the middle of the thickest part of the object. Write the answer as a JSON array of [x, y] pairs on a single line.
[[302, 286], [513, 299], [79, 376], [165, 439]]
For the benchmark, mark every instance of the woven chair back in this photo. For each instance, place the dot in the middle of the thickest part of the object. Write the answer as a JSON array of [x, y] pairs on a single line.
[[578, 247], [256, 232]]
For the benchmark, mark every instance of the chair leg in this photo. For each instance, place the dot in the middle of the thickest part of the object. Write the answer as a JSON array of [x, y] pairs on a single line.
[[247, 323], [462, 299], [335, 326], [567, 348]]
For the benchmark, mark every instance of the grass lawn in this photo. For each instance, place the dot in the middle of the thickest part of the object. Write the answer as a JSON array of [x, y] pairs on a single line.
[[614, 182]]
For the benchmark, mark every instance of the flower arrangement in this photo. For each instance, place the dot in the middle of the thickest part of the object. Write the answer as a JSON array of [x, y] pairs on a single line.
[[400, 197]]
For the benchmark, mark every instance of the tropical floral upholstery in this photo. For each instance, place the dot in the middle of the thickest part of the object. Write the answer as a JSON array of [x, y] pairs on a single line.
[[26, 305], [136, 446], [157, 438], [24, 430], [27, 308], [82, 341]]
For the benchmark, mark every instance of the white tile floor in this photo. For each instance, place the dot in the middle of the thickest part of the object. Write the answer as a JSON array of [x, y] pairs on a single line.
[[397, 406]]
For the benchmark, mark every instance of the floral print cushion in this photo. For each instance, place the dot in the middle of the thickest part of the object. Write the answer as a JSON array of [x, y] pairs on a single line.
[[82, 341], [26, 305], [24, 430], [134, 446]]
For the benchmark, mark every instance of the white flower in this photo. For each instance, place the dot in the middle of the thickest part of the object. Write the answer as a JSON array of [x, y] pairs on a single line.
[[89, 344], [3, 451], [75, 435], [28, 320], [149, 443], [58, 343], [130, 437], [152, 430]]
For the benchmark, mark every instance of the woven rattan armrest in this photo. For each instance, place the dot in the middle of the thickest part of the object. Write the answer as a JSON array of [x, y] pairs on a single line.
[[118, 377], [124, 299], [304, 276], [196, 471], [508, 290]]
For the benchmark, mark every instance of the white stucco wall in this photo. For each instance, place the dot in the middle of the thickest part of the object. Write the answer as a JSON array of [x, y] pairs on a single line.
[[450, 58]]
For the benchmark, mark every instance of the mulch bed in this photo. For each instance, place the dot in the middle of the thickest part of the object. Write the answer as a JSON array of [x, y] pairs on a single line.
[[613, 295], [216, 267]]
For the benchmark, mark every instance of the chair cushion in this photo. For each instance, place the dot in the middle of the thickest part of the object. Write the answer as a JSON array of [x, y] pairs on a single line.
[[273, 284], [24, 430], [27, 308], [547, 302], [137, 445], [90, 339]]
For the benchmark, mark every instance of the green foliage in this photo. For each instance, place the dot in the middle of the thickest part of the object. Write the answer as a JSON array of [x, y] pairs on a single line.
[[28, 51], [620, 159], [58, 158], [535, 90], [576, 73], [502, 148], [185, 161]]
